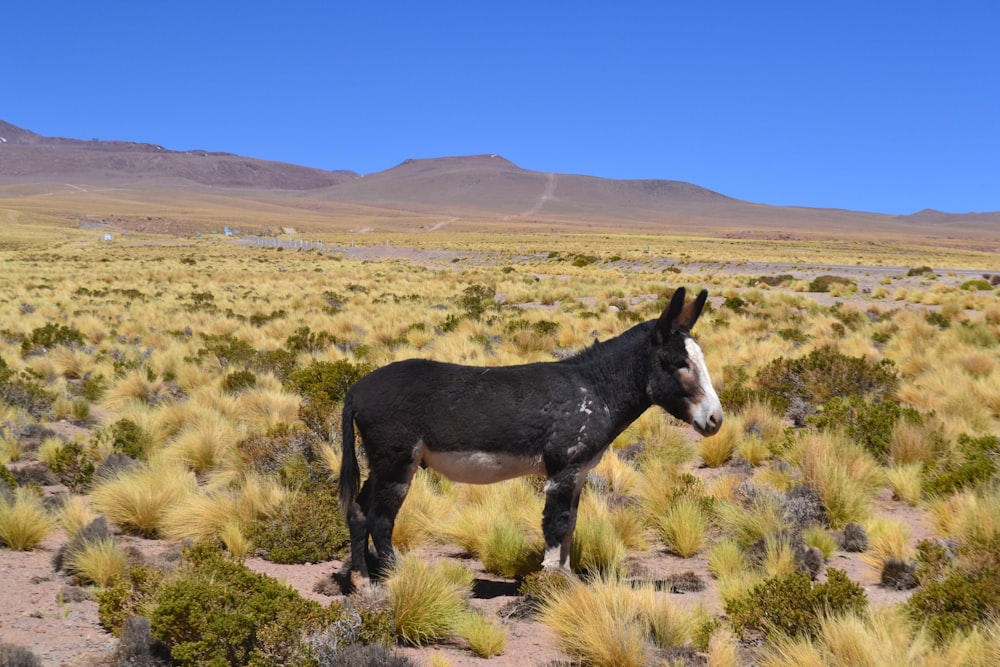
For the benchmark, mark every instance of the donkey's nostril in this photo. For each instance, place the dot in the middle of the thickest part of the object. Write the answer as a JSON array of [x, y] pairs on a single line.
[[715, 421]]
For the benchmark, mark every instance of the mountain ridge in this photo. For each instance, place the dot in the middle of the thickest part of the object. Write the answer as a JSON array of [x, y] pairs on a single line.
[[485, 187]]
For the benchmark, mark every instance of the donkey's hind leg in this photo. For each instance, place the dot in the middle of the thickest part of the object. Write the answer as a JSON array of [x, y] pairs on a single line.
[[387, 498], [357, 526]]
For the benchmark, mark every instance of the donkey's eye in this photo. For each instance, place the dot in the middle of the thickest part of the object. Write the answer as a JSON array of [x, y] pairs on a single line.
[[671, 365]]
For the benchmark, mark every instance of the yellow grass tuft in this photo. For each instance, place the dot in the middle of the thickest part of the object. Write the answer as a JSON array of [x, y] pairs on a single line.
[[486, 639], [723, 650], [715, 450], [845, 476], [428, 504], [426, 600], [725, 559], [683, 527], [138, 499], [905, 482], [597, 546], [817, 536], [24, 523], [621, 476], [911, 443], [887, 539], [74, 515], [100, 562], [602, 623]]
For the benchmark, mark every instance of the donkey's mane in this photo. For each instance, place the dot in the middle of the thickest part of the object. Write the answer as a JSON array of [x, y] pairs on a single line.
[[599, 349]]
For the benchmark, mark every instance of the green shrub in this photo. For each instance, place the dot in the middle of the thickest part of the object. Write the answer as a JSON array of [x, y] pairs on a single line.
[[308, 528], [920, 271], [792, 605], [7, 481], [793, 335], [74, 466], [322, 385], [823, 374], [869, 423], [976, 462], [584, 260], [228, 349], [127, 597], [125, 437], [958, 601], [238, 381], [214, 611], [49, 336], [260, 319], [976, 285], [476, 299], [306, 340], [932, 561], [25, 391], [737, 392], [824, 283], [773, 281], [735, 304]]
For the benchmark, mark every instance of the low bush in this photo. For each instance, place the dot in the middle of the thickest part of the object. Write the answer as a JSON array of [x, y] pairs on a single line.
[[322, 386], [976, 285], [959, 601], [25, 391], [868, 422], [50, 335], [12, 655], [74, 465], [307, 528], [792, 605], [974, 462], [824, 283], [825, 373], [214, 611], [128, 596], [238, 381]]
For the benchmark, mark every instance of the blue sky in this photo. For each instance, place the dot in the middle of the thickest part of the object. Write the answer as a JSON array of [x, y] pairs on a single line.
[[890, 106]]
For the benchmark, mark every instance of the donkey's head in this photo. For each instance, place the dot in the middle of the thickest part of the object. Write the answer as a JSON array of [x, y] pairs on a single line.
[[678, 378]]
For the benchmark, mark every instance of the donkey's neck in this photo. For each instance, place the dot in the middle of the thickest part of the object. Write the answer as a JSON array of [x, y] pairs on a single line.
[[619, 371]]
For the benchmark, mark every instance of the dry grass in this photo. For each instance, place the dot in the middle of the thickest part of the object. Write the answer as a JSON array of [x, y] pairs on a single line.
[[426, 601], [683, 527], [74, 515], [100, 562], [24, 523], [602, 623], [484, 637], [139, 499], [845, 476], [150, 353]]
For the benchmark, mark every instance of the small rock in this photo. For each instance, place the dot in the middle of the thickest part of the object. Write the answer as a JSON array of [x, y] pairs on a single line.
[[855, 538]]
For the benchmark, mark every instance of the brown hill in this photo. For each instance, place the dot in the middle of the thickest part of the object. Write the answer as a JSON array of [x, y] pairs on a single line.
[[119, 180], [26, 157]]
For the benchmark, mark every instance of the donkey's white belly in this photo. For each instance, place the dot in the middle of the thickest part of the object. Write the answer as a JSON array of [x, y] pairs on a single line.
[[480, 467]]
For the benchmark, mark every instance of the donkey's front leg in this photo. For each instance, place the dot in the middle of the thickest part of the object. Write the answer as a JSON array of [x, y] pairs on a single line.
[[562, 499]]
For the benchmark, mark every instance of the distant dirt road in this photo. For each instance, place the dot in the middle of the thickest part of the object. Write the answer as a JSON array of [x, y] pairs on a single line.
[[547, 195]]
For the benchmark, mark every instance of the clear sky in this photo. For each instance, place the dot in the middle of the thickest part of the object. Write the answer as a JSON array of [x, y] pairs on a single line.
[[879, 105]]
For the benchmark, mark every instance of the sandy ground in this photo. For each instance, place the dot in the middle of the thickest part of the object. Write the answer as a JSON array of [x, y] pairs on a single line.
[[42, 610]]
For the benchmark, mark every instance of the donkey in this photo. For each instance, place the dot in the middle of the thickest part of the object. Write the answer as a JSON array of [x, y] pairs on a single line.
[[487, 424]]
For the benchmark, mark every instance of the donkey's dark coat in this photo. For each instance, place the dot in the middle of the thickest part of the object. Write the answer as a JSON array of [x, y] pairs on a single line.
[[486, 424]]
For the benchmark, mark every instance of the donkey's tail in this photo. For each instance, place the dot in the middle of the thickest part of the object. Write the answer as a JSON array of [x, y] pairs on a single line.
[[350, 475]]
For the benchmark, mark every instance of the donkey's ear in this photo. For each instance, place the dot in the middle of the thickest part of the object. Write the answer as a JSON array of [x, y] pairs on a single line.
[[667, 323], [691, 312]]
